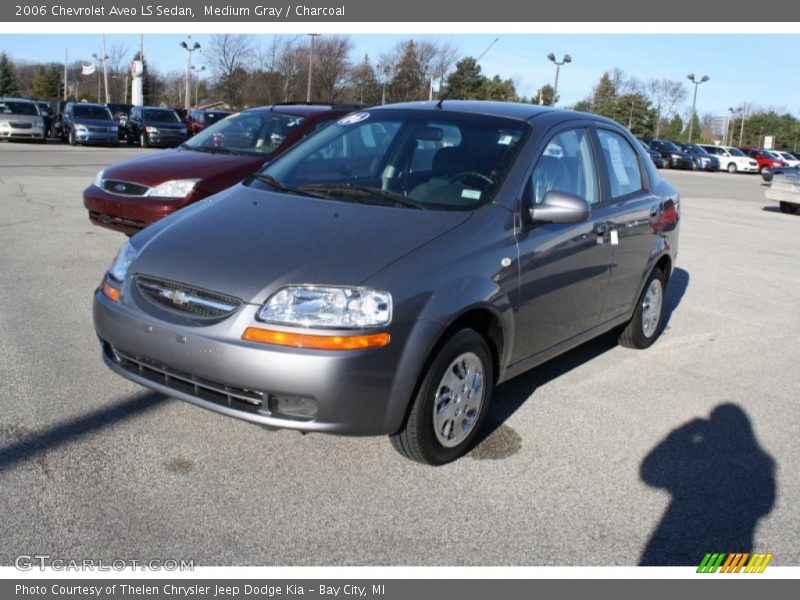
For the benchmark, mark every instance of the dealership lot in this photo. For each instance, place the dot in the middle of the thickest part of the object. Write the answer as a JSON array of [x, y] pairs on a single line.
[[94, 466]]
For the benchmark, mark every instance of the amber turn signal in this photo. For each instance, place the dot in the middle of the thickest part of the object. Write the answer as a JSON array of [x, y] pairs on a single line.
[[110, 292], [317, 342]]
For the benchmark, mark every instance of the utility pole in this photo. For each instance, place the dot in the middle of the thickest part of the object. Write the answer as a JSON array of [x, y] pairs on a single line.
[[310, 66], [741, 131], [189, 47], [105, 69], [565, 60], [66, 60], [696, 83], [197, 72], [97, 60]]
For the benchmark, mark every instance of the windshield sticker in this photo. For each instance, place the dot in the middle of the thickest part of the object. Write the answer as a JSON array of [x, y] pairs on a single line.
[[353, 119], [471, 194], [505, 140]]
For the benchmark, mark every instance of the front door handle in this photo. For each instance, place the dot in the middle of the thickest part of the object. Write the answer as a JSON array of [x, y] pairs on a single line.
[[600, 228]]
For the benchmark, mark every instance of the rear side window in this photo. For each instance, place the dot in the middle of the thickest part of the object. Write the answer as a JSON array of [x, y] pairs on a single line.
[[567, 165], [622, 162]]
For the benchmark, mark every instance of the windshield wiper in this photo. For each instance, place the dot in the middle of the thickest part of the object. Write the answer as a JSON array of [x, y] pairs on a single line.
[[211, 149], [287, 189], [369, 192]]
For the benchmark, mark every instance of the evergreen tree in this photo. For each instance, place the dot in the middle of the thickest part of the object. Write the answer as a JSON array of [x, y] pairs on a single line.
[[604, 101], [8, 78], [408, 83], [466, 82], [673, 129], [46, 83], [545, 96]]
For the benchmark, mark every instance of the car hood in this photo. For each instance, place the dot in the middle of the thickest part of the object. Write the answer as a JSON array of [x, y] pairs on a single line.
[[166, 125], [249, 243], [154, 168], [94, 122], [19, 118]]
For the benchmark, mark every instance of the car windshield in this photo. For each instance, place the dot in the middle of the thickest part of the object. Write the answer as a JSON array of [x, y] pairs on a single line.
[[160, 115], [695, 149], [736, 152], [771, 155], [18, 108], [421, 159], [210, 118], [670, 147], [100, 113], [259, 132]]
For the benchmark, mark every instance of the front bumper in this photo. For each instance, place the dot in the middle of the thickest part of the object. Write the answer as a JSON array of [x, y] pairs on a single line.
[[167, 139], [128, 214], [362, 392], [681, 163], [9, 132], [96, 137]]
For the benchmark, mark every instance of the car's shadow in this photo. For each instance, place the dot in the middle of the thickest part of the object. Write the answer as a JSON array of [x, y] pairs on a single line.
[[511, 395]]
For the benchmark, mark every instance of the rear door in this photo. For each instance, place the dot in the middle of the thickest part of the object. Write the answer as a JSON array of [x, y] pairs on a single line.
[[633, 205]]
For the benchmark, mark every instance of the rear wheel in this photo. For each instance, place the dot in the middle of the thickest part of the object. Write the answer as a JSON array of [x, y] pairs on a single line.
[[788, 208], [731, 167], [451, 402], [143, 142], [645, 326]]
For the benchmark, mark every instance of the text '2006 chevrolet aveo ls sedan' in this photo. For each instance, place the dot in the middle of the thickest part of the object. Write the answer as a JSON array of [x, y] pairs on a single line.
[[385, 274]]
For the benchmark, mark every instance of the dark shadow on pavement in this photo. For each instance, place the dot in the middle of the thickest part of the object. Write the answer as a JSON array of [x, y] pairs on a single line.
[[512, 394], [31, 445], [722, 482]]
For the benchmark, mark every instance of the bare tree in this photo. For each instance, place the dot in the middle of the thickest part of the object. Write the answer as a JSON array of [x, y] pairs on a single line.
[[331, 67], [664, 95], [229, 56], [118, 67]]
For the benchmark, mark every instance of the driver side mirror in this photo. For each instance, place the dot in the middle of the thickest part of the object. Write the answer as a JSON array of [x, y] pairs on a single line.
[[560, 207]]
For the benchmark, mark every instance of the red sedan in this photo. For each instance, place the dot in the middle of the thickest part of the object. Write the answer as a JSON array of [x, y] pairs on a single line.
[[766, 160], [130, 195]]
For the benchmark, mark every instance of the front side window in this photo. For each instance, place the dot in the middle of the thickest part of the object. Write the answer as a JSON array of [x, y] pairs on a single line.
[[567, 165], [622, 162], [427, 159], [735, 152]]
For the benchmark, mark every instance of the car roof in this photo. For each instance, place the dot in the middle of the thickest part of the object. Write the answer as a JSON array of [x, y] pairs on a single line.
[[513, 110], [306, 110], [13, 99]]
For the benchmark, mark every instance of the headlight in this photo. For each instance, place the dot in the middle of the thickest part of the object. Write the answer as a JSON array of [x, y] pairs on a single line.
[[113, 129], [183, 131], [4, 124], [125, 257], [337, 307], [98, 179], [676, 156], [149, 129], [176, 188], [38, 122], [79, 127]]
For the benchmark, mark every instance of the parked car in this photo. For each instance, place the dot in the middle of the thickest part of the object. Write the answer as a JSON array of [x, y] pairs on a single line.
[[653, 154], [785, 189], [382, 276], [132, 194], [87, 123], [199, 119], [703, 161], [732, 159], [20, 119], [764, 158], [154, 126], [674, 157], [789, 159]]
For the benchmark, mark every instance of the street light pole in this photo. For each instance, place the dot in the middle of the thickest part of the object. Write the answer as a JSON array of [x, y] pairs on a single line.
[[189, 47], [552, 58], [741, 131], [310, 66], [696, 83], [98, 60], [197, 72], [729, 129], [385, 69]]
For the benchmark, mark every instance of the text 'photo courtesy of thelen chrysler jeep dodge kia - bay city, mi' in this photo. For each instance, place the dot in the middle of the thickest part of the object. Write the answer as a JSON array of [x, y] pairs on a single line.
[[385, 274]]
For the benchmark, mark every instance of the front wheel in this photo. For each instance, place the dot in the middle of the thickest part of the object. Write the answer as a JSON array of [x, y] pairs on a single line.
[[645, 326], [764, 169], [143, 142], [451, 402], [72, 140], [732, 168]]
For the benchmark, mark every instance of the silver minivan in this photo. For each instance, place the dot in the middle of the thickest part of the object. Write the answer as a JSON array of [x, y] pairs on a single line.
[[20, 119]]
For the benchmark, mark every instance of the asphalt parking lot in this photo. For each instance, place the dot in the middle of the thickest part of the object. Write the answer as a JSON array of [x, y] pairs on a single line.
[[606, 456]]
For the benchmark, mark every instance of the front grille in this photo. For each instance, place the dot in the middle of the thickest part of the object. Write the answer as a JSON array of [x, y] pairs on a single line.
[[125, 188], [114, 220], [98, 129], [212, 391], [20, 125], [186, 300]]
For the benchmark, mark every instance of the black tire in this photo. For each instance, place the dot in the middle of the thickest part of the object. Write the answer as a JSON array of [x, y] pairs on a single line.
[[633, 334], [417, 440], [129, 139], [732, 168], [788, 208], [764, 169], [71, 138], [143, 140]]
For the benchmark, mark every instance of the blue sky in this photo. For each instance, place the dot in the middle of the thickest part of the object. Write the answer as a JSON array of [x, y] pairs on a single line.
[[760, 69]]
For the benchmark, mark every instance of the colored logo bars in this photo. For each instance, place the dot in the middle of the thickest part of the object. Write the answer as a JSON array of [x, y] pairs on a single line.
[[734, 562]]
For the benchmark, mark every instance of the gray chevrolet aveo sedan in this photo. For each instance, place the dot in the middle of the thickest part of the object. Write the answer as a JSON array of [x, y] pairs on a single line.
[[387, 273]]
